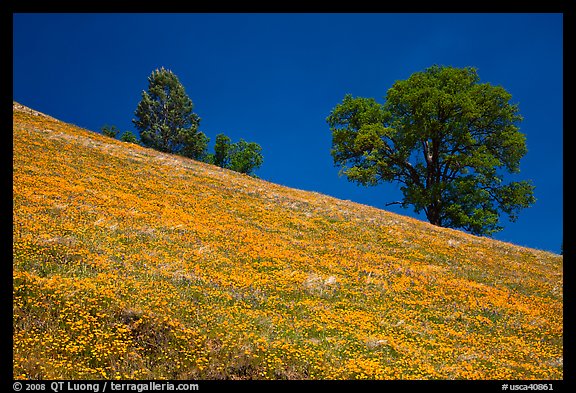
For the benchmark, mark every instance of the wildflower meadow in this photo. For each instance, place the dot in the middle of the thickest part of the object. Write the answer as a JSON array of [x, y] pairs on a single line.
[[129, 263]]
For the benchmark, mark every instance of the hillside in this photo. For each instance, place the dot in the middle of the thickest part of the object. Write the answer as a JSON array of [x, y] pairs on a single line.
[[134, 264]]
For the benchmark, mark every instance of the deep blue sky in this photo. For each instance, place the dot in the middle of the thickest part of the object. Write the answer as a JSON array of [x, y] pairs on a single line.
[[273, 79]]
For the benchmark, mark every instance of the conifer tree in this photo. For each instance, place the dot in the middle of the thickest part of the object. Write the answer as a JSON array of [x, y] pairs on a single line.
[[165, 117]]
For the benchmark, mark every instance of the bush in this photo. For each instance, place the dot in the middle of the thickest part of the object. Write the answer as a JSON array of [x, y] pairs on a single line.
[[128, 136], [110, 131]]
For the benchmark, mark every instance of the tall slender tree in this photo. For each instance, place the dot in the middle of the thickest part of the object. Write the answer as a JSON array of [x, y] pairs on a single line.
[[222, 150], [165, 118]]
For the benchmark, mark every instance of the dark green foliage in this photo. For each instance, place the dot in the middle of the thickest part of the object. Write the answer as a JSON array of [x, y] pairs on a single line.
[[195, 145], [446, 138], [129, 136], [245, 157], [110, 131], [165, 119], [222, 151], [242, 156]]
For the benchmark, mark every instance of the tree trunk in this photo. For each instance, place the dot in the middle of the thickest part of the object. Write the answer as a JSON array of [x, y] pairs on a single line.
[[433, 214]]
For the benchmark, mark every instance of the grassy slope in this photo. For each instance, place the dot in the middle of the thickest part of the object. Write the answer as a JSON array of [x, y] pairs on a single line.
[[130, 263]]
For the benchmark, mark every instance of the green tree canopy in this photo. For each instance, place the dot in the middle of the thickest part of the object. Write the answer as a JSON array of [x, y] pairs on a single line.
[[222, 151], [110, 131], [128, 136], [244, 157], [165, 119], [446, 138]]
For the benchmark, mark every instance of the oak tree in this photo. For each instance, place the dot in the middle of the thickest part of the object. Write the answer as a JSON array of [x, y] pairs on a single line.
[[447, 138]]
